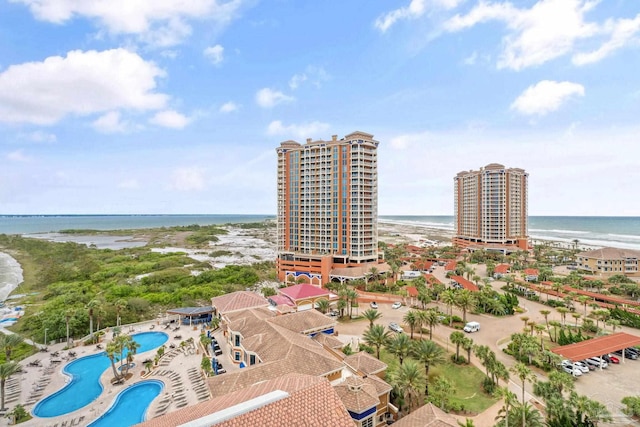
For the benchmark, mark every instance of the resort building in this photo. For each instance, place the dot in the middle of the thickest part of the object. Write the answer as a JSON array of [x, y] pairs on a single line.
[[609, 261], [490, 207], [327, 209]]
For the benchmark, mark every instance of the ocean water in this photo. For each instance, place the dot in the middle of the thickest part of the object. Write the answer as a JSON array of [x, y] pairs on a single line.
[[26, 224], [619, 232]]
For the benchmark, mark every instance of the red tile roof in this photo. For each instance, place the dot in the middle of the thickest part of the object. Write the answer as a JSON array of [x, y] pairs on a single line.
[[502, 268], [412, 291], [311, 402], [240, 300], [304, 291], [450, 266], [465, 283], [282, 300], [431, 279], [597, 346], [531, 271]]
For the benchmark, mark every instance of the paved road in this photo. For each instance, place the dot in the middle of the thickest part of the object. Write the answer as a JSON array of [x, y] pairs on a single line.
[[495, 333]]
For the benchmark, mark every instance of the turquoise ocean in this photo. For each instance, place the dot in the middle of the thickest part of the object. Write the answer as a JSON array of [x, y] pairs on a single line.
[[620, 232]]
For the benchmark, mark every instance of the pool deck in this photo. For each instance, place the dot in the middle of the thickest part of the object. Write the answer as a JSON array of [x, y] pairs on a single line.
[[179, 370]]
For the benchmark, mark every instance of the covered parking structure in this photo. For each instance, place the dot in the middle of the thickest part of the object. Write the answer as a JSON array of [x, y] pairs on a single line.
[[192, 315], [596, 347]]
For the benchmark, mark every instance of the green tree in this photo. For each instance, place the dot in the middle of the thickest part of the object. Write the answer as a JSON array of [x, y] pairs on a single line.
[[431, 318], [412, 319], [119, 305], [441, 393], [509, 399], [376, 336], [6, 370], [429, 354], [371, 315], [322, 306], [524, 373], [91, 306], [8, 342], [408, 379], [448, 298], [457, 338], [399, 345], [465, 301], [524, 415]]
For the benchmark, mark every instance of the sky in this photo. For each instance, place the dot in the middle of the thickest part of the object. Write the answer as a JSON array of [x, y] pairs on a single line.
[[178, 106]]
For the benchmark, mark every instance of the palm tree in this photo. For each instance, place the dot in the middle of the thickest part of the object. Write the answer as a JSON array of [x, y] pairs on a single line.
[[525, 319], [465, 301], [448, 297], [8, 342], [429, 354], [467, 345], [457, 338], [371, 315], [322, 306], [468, 422], [583, 299], [352, 297], [525, 374], [376, 336], [563, 313], [67, 317], [408, 379], [399, 345], [119, 305], [546, 314], [148, 364], [510, 399], [6, 370], [525, 414], [132, 348], [431, 319], [91, 307], [411, 319], [112, 351]]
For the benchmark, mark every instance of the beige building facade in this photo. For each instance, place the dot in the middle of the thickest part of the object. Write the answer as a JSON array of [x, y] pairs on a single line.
[[609, 262], [327, 206], [491, 208]]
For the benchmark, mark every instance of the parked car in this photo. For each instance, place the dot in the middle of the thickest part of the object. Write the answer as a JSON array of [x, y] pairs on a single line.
[[396, 305], [472, 327], [374, 305], [597, 362], [334, 313], [570, 369], [627, 354], [582, 366], [395, 327], [610, 358]]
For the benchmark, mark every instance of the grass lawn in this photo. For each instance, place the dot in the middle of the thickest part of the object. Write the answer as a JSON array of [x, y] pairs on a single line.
[[467, 380]]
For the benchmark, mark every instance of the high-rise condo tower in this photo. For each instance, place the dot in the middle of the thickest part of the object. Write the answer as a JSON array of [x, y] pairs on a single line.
[[491, 208], [327, 207]]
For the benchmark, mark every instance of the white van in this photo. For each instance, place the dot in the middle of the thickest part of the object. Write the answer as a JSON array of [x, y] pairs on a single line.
[[472, 327]]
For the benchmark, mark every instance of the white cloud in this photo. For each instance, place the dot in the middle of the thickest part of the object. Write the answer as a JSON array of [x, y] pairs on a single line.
[[81, 83], [315, 75], [215, 54], [110, 123], [296, 80], [158, 22], [546, 96], [170, 119], [38, 136], [229, 107], [268, 98], [303, 130], [622, 31], [188, 179], [549, 29], [414, 10], [18, 156]]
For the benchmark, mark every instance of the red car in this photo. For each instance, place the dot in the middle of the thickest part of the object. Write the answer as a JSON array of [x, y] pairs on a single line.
[[610, 358]]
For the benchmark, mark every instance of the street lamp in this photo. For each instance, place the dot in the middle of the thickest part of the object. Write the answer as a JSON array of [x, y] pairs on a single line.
[[45, 336]]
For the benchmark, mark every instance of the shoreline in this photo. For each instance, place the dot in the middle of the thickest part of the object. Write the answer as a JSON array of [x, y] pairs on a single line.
[[11, 275]]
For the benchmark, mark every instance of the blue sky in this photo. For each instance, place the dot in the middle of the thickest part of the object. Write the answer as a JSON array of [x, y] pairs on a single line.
[[167, 106]]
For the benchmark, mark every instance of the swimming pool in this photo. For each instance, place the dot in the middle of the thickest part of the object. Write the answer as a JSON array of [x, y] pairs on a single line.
[[85, 373], [130, 405]]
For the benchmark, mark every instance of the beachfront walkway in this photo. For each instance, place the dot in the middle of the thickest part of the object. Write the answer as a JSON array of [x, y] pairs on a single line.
[[179, 370]]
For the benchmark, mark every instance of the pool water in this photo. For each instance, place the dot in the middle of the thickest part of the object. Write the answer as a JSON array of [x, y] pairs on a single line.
[[130, 405], [85, 373]]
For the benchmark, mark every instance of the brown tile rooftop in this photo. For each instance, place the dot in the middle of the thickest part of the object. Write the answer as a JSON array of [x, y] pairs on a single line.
[[427, 416], [305, 322], [311, 402], [365, 363], [238, 301]]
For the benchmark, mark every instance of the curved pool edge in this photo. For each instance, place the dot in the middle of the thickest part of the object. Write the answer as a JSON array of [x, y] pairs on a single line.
[[116, 400], [70, 377]]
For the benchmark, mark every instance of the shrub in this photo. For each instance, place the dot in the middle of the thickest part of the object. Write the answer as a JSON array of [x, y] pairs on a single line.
[[488, 386], [459, 360], [632, 404]]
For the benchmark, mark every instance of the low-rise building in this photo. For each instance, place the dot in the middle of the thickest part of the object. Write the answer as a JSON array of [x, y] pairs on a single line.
[[609, 261]]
